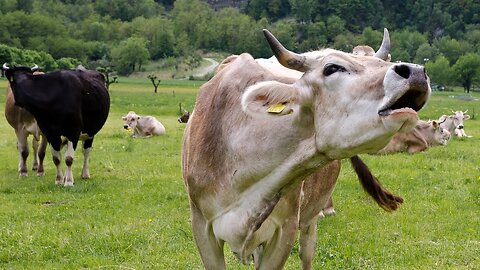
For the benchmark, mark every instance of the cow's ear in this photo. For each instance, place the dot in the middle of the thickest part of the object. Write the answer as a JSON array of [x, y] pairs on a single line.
[[466, 117], [9, 75], [270, 98], [435, 124]]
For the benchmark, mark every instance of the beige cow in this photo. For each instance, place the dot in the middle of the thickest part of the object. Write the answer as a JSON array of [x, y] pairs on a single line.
[[318, 191], [25, 125], [143, 126], [253, 137], [423, 136]]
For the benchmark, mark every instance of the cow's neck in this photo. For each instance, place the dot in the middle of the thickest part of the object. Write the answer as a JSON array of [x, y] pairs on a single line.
[[256, 203]]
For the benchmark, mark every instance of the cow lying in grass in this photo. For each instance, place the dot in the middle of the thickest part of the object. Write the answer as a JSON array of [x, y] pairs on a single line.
[[254, 137], [454, 123], [423, 136], [142, 126]]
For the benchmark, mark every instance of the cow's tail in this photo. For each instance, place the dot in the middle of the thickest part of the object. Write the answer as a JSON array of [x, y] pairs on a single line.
[[372, 186]]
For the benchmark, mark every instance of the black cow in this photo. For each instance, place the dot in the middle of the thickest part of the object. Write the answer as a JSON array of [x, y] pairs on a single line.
[[69, 105]]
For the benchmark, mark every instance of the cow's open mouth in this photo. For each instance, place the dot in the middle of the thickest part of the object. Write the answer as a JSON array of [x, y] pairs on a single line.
[[413, 99]]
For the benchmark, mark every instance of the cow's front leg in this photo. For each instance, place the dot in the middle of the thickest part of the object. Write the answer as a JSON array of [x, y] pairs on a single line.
[[273, 253], [35, 153], [22, 146], [210, 248], [57, 157], [86, 169], [87, 148], [41, 156], [69, 157], [276, 250], [308, 242]]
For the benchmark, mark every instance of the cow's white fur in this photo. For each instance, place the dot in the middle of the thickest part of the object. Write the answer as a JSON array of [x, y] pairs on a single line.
[[454, 123], [143, 126]]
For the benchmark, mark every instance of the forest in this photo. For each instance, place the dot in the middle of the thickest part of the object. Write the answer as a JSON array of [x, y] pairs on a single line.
[[125, 35]]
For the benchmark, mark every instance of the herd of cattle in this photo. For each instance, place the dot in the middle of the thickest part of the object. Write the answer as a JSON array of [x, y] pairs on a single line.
[[262, 149]]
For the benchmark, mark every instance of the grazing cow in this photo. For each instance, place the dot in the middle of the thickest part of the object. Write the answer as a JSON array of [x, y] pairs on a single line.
[[424, 135], [24, 125], [69, 105], [454, 123], [143, 126], [254, 137]]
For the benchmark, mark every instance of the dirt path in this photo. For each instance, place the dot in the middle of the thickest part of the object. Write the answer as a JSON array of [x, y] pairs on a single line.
[[205, 70]]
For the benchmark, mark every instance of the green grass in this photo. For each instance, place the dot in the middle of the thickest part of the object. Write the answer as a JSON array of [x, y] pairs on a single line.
[[133, 213]]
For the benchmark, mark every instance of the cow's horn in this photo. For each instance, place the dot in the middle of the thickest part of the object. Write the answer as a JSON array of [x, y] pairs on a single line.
[[5, 67], [285, 57], [384, 50], [34, 68], [465, 111]]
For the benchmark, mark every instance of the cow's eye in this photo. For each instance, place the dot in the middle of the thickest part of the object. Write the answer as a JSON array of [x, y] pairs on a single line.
[[332, 68]]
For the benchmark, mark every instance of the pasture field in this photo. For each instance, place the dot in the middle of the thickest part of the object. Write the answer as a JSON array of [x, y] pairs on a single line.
[[133, 213]]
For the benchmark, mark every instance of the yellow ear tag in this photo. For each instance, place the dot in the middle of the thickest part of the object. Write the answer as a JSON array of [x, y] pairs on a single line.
[[276, 108]]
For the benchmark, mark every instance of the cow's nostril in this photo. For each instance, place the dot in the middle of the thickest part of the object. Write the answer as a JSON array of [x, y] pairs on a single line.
[[402, 70]]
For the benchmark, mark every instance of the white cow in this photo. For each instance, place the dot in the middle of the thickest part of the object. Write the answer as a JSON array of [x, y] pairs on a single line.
[[143, 126], [254, 137], [454, 123]]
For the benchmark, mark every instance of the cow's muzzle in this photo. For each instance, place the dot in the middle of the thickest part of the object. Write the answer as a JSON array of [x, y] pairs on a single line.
[[416, 92]]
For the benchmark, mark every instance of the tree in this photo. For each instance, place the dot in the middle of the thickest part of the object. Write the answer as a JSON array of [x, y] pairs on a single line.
[[67, 63], [130, 55], [467, 70], [357, 13], [192, 18], [303, 9], [335, 26], [425, 52], [451, 48], [109, 74], [406, 44], [440, 71], [154, 81]]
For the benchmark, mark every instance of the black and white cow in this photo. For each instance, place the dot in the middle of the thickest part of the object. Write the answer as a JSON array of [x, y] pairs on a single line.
[[69, 105]]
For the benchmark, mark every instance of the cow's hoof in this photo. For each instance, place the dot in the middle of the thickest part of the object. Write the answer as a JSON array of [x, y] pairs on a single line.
[[40, 173], [68, 184], [59, 181], [321, 215], [330, 211]]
